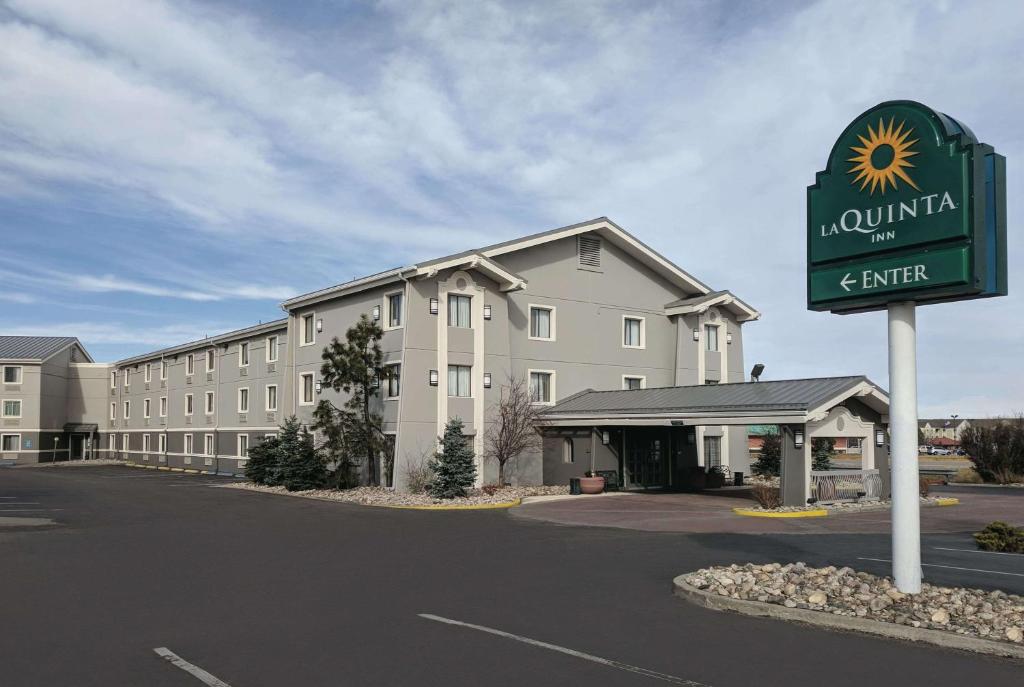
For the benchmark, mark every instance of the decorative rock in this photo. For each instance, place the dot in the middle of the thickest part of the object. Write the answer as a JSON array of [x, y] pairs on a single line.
[[940, 616], [1015, 634], [817, 598]]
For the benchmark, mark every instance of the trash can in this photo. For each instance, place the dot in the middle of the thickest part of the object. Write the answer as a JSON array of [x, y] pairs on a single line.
[[574, 486], [737, 479]]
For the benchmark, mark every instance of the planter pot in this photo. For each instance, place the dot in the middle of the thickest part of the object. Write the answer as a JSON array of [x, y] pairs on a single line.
[[591, 485], [715, 480]]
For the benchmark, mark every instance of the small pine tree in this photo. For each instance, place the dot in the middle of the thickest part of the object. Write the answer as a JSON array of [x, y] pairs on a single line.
[[453, 467], [821, 453], [302, 465], [769, 464], [264, 465]]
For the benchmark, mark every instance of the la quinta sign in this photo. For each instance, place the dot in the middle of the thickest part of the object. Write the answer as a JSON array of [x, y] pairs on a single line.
[[910, 207]]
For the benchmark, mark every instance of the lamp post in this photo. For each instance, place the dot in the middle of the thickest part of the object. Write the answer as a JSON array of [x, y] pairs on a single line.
[[56, 440]]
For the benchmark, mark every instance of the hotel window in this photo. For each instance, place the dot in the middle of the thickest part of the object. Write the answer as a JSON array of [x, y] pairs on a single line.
[[125, 442], [149, 373], [145, 443], [163, 406], [188, 443], [712, 451], [161, 443], [541, 387], [209, 403], [243, 355], [190, 364], [306, 385], [12, 374], [127, 409], [393, 376], [11, 442], [112, 442], [308, 329], [243, 400], [271, 397], [127, 378], [633, 332], [163, 369], [632, 383], [113, 379], [271, 349], [211, 360], [542, 323], [459, 377], [12, 408], [711, 337], [458, 311], [188, 404], [243, 445], [568, 451], [147, 405], [113, 411], [395, 310], [208, 444]]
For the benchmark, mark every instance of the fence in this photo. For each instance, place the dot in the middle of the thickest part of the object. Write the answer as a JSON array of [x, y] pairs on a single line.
[[829, 486]]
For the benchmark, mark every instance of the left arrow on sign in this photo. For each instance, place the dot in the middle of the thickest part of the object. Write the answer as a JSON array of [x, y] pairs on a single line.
[[846, 281]]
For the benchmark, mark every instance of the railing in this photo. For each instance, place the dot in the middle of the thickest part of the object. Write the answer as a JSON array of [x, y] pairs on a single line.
[[830, 486]]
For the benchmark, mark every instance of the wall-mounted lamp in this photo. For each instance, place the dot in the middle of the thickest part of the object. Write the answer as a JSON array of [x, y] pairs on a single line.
[[319, 386], [433, 306], [798, 438], [487, 312], [320, 325], [879, 437], [728, 337], [487, 380], [376, 313], [605, 437], [433, 378], [696, 335]]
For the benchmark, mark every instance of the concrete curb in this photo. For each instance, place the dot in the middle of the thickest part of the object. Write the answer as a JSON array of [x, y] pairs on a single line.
[[844, 623], [750, 513], [326, 499], [948, 502], [482, 506]]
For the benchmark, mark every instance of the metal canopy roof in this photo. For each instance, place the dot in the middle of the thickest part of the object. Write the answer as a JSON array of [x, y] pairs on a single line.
[[33, 347]]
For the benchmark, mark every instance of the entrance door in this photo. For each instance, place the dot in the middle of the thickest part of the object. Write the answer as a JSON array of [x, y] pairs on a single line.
[[77, 446], [646, 461]]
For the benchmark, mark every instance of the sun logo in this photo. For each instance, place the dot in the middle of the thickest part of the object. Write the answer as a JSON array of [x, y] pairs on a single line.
[[883, 157]]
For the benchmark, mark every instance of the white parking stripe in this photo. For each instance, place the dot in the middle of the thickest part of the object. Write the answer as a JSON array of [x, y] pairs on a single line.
[[197, 672], [992, 553], [569, 652], [949, 567]]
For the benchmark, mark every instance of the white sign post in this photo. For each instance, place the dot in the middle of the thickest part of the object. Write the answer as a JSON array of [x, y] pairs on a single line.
[[906, 504]]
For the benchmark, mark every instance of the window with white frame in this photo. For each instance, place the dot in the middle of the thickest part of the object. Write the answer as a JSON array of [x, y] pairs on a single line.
[[243, 445], [126, 442], [188, 444], [271, 349], [460, 380], [163, 370], [163, 406], [146, 407], [393, 380], [127, 410], [712, 451], [208, 448], [161, 443], [211, 360], [271, 397], [243, 400], [112, 442], [308, 329], [113, 379], [10, 442], [188, 404], [568, 450], [542, 323], [210, 406], [243, 354], [113, 411], [145, 443], [633, 332], [12, 408], [711, 337], [395, 301], [459, 310], [127, 378], [12, 374], [633, 382], [542, 386], [307, 388], [148, 373], [190, 364]]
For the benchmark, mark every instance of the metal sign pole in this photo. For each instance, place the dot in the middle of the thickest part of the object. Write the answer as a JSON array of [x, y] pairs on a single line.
[[906, 505]]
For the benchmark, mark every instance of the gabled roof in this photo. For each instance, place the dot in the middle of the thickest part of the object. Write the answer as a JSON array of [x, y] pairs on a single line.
[[484, 259], [227, 337], [801, 400], [700, 304], [36, 348]]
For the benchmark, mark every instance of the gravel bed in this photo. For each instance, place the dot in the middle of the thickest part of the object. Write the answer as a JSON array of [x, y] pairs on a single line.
[[844, 506], [844, 592], [379, 496]]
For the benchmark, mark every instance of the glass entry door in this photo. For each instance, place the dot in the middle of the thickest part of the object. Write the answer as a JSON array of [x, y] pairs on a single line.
[[647, 453]]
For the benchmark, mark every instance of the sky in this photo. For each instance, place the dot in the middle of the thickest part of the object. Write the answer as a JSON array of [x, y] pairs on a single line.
[[170, 170]]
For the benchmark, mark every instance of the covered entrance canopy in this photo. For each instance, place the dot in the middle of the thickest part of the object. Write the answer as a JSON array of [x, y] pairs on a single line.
[[653, 437]]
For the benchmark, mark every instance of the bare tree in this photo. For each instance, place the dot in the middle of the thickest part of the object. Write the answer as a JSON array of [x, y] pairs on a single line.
[[516, 426]]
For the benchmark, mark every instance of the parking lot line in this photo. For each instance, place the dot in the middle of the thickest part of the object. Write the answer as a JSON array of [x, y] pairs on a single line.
[[26, 510], [569, 652], [193, 670], [948, 567], [991, 553]]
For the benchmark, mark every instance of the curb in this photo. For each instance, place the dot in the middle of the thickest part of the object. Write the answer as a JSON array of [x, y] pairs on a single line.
[[482, 506], [948, 502], [820, 513], [845, 623]]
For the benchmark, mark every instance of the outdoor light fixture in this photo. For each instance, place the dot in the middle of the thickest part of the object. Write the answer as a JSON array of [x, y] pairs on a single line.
[[487, 380], [696, 335], [433, 378], [756, 372], [879, 437], [433, 306], [319, 386], [320, 325], [798, 438], [487, 312], [728, 337], [376, 313], [605, 437]]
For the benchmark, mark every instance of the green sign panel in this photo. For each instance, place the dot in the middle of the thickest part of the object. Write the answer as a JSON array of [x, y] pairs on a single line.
[[909, 208]]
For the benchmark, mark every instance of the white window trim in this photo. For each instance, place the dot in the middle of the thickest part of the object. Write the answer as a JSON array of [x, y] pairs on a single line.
[[9, 434], [126, 442], [21, 374], [266, 400], [112, 442], [553, 395], [211, 360], [238, 446], [248, 399], [209, 403], [302, 329], [248, 350], [386, 310], [188, 444], [472, 387], [163, 406], [113, 379], [459, 294], [642, 378], [568, 451], [127, 378], [718, 338], [190, 364], [384, 382], [269, 348], [190, 400], [643, 332], [147, 443], [529, 321], [208, 440], [302, 388], [163, 370], [148, 376], [161, 443], [147, 408], [127, 407], [113, 410]]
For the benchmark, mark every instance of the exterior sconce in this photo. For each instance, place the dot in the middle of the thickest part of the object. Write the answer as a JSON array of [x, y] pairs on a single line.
[[879, 437], [728, 337], [605, 437], [487, 312], [487, 380], [798, 438], [433, 378], [696, 335], [319, 386], [376, 313], [433, 306], [320, 325]]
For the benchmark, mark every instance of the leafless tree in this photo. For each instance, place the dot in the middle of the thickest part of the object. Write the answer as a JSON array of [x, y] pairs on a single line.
[[515, 429]]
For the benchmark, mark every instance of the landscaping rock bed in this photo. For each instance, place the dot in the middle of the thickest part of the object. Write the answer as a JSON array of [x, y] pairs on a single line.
[[846, 506], [379, 496], [843, 592]]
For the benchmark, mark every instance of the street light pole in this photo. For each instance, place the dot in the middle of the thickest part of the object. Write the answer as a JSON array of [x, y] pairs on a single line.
[[906, 506]]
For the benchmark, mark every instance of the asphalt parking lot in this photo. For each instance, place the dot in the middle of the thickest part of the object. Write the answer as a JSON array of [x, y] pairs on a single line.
[[262, 590]]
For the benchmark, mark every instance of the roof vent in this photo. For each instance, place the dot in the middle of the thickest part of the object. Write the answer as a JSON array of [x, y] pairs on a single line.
[[588, 248]]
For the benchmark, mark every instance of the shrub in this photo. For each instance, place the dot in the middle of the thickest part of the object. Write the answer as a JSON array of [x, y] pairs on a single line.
[[1001, 537], [924, 486], [418, 476], [453, 467], [821, 453], [766, 495], [967, 476], [997, 450], [264, 466], [769, 464], [290, 460], [491, 489]]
